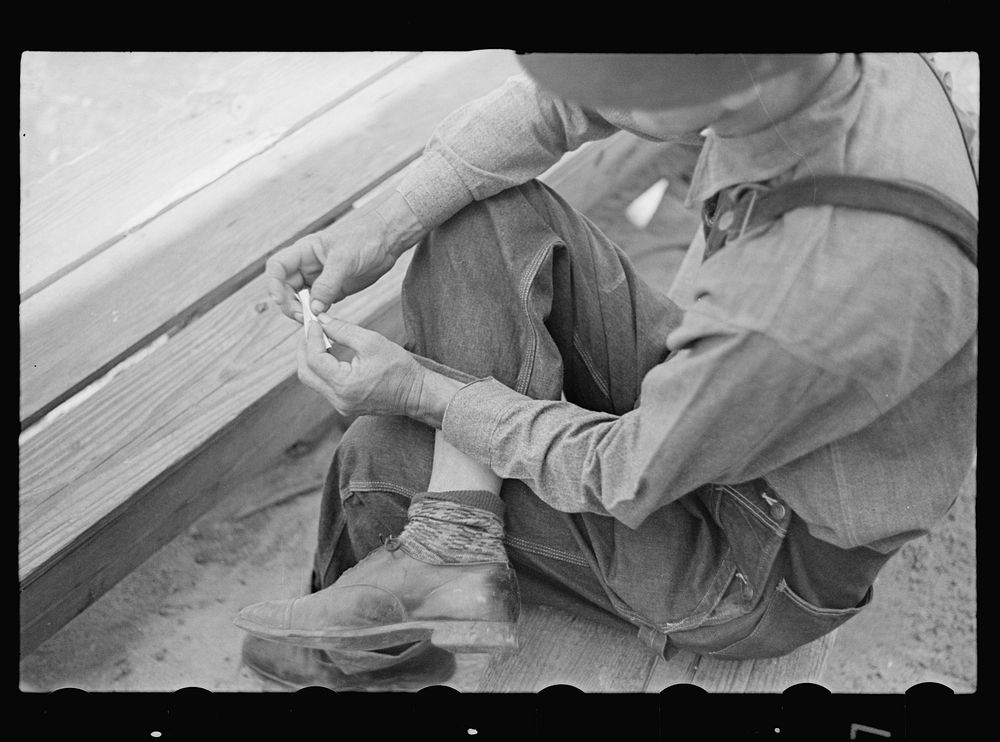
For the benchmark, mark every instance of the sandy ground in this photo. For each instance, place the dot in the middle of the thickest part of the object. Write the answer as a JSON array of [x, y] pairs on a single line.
[[168, 625]]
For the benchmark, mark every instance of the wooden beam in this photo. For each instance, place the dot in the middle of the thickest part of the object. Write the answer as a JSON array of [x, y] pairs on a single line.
[[235, 106], [179, 265], [804, 665], [149, 480], [558, 648], [269, 437], [160, 411]]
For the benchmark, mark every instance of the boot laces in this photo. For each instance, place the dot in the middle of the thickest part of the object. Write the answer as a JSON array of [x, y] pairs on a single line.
[[391, 543]]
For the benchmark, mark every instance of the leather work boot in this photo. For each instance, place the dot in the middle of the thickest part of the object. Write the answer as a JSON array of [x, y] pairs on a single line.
[[415, 667], [389, 598]]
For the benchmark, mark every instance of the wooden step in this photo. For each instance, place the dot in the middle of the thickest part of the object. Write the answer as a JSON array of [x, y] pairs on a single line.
[[558, 648], [226, 108], [181, 264]]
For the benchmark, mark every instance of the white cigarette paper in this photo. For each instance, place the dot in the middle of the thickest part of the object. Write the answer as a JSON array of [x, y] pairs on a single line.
[[307, 315]]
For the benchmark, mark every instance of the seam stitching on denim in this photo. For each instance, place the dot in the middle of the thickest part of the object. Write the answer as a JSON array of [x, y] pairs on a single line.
[[753, 509], [378, 486], [815, 610], [519, 543], [525, 373], [842, 493], [527, 367], [591, 366], [546, 551]]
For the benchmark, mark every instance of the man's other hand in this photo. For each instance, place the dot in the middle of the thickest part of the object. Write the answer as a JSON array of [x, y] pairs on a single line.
[[363, 374], [346, 257]]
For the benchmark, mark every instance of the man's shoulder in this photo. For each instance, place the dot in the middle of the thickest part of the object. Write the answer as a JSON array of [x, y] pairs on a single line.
[[907, 129]]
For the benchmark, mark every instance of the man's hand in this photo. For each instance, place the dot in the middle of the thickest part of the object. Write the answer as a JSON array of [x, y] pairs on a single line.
[[371, 375], [344, 258]]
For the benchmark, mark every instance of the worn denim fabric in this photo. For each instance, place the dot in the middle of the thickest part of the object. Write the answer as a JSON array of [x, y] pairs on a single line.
[[523, 289], [832, 352]]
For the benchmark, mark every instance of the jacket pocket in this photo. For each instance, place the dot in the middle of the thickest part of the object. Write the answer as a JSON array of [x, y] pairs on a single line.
[[789, 621]]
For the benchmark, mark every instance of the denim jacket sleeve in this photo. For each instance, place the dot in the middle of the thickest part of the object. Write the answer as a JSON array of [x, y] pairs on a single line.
[[501, 140], [729, 405]]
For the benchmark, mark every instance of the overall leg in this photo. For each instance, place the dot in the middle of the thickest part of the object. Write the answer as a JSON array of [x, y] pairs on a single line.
[[523, 288], [364, 501]]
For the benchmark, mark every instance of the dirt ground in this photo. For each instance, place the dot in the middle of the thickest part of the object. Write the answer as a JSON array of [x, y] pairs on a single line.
[[168, 625]]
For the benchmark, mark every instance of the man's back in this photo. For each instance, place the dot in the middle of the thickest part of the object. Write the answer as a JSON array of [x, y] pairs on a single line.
[[880, 302]]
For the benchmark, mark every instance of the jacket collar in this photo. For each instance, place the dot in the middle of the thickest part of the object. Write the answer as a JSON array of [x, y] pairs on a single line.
[[765, 154]]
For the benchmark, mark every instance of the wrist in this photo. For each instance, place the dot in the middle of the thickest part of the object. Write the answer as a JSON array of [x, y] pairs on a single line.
[[436, 393], [403, 228]]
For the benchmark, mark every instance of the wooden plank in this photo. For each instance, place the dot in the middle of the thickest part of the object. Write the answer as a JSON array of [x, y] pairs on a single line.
[[157, 413], [302, 467], [558, 648], [191, 257], [154, 481], [804, 665], [283, 435], [235, 105]]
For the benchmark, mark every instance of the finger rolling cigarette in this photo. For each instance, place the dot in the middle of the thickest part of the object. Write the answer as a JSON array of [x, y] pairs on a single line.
[[308, 316]]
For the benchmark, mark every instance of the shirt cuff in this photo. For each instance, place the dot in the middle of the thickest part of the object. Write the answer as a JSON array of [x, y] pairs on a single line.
[[433, 190], [473, 414]]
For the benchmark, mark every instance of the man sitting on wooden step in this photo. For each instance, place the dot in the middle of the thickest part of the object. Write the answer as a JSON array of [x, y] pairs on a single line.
[[725, 470]]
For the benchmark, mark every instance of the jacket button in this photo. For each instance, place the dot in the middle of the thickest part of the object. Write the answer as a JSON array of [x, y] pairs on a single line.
[[726, 220], [777, 511]]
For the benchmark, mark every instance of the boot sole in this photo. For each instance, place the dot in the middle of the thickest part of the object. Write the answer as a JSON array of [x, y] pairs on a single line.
[[474, 637]]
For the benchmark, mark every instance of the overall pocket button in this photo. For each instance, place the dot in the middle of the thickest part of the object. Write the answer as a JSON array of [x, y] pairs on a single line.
[[775, 507]]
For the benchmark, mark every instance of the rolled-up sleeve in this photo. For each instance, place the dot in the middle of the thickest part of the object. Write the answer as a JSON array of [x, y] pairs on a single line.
[[729, 405]]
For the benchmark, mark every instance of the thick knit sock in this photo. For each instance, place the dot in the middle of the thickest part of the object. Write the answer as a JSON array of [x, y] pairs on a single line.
[[455, 528]]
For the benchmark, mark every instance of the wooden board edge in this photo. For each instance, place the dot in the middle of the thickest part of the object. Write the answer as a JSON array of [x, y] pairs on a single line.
[[773, 675], [91, 296], [33, 283]]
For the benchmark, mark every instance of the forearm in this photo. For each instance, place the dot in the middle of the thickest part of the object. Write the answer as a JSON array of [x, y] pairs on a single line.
[[402, 227], [727, 411]]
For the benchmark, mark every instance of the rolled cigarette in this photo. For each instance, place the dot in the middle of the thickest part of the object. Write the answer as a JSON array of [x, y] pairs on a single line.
[[307, 315]]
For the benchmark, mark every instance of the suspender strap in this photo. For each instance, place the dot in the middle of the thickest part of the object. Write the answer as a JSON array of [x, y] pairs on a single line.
[[743, 208]]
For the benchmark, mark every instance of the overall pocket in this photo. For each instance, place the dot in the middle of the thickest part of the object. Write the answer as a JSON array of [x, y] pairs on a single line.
[[789, 621]]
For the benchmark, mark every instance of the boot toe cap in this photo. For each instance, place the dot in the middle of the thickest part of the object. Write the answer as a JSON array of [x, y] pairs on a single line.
[[275, 614]]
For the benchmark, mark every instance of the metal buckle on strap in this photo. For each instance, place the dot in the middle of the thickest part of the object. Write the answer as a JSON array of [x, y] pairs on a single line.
[[727, 215]]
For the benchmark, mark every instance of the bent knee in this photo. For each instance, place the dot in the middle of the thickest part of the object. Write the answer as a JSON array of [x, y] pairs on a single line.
[[381, 453]]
